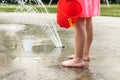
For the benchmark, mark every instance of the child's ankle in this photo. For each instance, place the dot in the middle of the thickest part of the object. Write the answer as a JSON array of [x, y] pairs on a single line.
[[76, 59]]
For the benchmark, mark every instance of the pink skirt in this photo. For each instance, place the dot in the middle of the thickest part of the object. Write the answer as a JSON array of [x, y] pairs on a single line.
[[90, 8]]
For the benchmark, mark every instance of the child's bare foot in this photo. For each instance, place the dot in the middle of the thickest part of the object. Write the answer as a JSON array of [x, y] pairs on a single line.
[[71, 56], [85, 58], [72, 63]]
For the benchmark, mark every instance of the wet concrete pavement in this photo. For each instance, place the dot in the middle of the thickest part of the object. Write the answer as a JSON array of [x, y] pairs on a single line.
[[26, 53]]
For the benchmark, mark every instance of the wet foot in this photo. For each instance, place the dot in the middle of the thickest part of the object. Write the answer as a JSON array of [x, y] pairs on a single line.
[[72, 63], [85, 58], [71, 56]]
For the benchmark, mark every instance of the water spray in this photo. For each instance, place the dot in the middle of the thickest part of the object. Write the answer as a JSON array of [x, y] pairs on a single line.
[[49, 28]]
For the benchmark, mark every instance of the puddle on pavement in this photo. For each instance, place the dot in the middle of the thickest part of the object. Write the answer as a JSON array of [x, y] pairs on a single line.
[[26, 53]]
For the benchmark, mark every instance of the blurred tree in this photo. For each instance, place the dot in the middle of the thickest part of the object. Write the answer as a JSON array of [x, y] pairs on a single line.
[[47, 1], [55, 1], [118, 1], [111, 1]]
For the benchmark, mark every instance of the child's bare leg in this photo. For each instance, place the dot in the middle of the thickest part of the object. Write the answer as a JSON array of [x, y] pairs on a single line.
[[78, 61], [89, 35]]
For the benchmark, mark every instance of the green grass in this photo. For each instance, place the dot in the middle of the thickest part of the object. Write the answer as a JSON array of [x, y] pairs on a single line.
[[113, 10], [50, 10], [15, 8], [7, 9]]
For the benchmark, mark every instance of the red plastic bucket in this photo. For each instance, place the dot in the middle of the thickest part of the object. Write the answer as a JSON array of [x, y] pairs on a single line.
[[68, 12]]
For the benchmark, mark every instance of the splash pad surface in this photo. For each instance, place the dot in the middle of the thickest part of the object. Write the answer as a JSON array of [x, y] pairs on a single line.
[[40, 60], [27, 53]]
